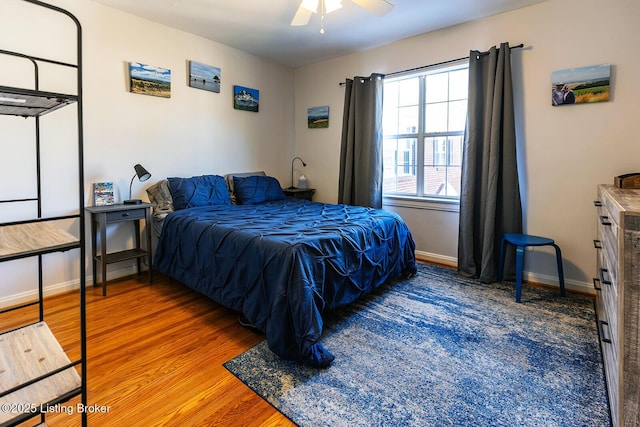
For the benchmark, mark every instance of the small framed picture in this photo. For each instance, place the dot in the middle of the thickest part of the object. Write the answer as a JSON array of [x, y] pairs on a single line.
[[203, 76], [246, 99], [318, 117], [103, 194], [149, 80]]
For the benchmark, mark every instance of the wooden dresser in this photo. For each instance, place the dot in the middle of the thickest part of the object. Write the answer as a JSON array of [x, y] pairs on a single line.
[[618, 299]]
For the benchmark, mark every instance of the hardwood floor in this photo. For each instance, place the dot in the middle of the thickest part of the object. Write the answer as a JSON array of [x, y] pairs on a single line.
[[155, 355]]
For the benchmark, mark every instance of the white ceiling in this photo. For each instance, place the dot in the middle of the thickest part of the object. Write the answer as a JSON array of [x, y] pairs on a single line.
[[261, 27]]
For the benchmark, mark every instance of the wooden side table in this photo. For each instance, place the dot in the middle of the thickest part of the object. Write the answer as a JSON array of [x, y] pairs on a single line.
[[101, 216], [299, 193]]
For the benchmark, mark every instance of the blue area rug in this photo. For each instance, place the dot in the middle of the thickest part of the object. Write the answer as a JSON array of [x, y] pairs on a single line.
[[443, 350]]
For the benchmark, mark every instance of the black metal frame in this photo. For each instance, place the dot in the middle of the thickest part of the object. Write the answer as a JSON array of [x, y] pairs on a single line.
[[54, 101]]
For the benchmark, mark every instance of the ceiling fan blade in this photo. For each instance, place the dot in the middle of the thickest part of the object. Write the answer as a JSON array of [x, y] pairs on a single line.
[[301, 17], [377, 7], [306, 8]]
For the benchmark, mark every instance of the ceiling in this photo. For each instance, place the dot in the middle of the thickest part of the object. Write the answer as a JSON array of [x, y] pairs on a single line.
[[261, 27]]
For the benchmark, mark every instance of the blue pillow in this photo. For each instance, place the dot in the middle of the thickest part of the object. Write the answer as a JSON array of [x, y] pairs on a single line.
[[252, 190], [198, 191]]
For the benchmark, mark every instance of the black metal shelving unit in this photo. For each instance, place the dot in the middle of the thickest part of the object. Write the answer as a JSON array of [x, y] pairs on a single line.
[[35, 371]]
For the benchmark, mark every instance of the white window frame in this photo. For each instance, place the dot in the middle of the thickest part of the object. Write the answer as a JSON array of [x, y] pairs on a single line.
[[422, 137]]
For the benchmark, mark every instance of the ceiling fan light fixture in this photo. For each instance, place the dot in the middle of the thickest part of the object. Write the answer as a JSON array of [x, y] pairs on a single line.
[[310, 5], [331, 5]]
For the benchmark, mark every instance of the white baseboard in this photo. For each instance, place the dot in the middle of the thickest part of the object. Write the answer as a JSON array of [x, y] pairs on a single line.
[[573, 285], [58, 288], [437, 258], [23, 297]]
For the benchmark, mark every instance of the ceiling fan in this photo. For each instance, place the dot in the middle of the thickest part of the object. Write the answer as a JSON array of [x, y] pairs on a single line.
[[309, 7]]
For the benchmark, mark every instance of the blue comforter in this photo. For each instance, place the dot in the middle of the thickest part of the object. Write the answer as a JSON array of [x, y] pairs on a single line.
[[284, 264]]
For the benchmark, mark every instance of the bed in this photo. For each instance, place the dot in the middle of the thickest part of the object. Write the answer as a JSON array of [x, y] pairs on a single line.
[[282, 263]]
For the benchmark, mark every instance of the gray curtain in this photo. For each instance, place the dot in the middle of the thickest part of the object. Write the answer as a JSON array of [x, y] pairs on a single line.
[[490, 197], [360, 180]]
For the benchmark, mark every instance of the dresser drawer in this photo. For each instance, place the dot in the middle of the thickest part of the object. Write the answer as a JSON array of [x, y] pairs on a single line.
[[611, 372], [608, 236], [607, 269], [127, 215], [608, 296], [610, 312], [618, 300]]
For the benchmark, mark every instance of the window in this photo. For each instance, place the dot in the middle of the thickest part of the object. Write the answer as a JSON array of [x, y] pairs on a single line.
[[424, 117]]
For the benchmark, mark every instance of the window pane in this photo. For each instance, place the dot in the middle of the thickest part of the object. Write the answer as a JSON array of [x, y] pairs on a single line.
[[441, 181], [435, 181], [455, 150], [458, 84], [442, 166], [390, 121], [401, 110], [408, 119], [440, 152], [408, 92], [429, 159], [435, 151], [435, 117], [457, 115], [390, 98], [436, 87], [390, 108], [399, 174], [454, 175]]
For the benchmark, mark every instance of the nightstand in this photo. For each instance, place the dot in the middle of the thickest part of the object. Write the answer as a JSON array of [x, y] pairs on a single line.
[[299, 193], [101, 216]]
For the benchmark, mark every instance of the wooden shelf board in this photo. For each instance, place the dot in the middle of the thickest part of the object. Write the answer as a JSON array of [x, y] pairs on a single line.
[[33, 238], [28, 353], [123, 255]]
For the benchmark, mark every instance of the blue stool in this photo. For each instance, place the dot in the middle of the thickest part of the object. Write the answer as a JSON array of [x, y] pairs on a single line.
[[521, 241]]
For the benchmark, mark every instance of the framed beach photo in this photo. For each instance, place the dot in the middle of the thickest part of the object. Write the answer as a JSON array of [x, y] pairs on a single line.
[[203, 76], [246, 99], [580, 85], [149, 80], [318, 117]]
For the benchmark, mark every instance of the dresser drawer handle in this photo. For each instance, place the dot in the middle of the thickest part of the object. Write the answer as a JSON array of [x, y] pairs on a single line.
[[125, 214], [601, 324], [604, 281], [597, 203], [596, 244], [596, 287], [604, 220]]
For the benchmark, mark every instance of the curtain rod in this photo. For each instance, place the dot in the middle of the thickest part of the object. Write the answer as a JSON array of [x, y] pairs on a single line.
[[439, 63]]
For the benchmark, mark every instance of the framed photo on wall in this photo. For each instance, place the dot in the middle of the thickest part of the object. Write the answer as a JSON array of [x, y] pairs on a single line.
[[246, 99], [203, 76], [580, 85], [149, 80], [318, 117]]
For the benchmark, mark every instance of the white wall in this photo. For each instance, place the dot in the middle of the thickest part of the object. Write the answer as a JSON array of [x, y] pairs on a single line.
[[564, 152], [194, 132]]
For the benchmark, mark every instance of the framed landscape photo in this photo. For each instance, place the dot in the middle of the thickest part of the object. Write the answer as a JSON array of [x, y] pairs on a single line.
[[246, 99], [149, 80], [203, 76], [103, 194], [580, 85], [318, 117]]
